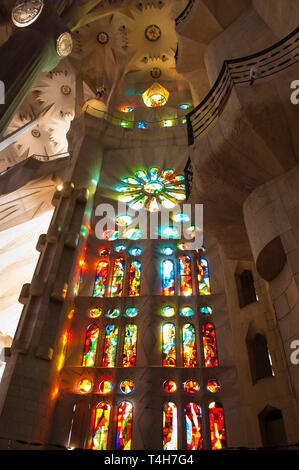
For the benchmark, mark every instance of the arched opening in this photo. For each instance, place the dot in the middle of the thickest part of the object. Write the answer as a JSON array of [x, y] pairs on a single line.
[[272, 427], [259, 357], [245, 288]]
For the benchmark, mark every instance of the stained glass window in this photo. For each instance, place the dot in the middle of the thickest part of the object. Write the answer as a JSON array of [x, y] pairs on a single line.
[[209, 345], [203, 277], [130, 343], [124, 426], [185, 276], [101, 279], [186, 312], [213, 386], [191, 386], [217, 428], [101, 426], [85, 385], [95, 313], [117, 280], [168, 311], [189, 346], [127, 386], [167, 277], [168, 345], [106, 386], [206, 310], [113, 313], [90, 347], [110, 344], [193, 426], [131, 312], [134, 279], [170, 426], [169, 386]]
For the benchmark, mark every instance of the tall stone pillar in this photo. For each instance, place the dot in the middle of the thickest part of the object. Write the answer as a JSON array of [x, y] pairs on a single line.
[[271, 215]]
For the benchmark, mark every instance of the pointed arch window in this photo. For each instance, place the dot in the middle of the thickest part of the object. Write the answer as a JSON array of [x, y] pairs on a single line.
[[101, 279], [117, 280], [134, 279], [90, 346], [168, 345], [217, 427], [101, 426], [185, 276], [124, 426], [167, 277], [189, 346], [193, 426], [170, 426], [209, 345], [203, 277], [130, 344], [110, 345]]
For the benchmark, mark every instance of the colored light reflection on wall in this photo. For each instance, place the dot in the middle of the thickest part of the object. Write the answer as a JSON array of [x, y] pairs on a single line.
[[170, 426], [118, 271], [217, 428], [101, 426], [203, 277], [189, 346], [130, 345], [209, 345], [134, 279], [101, 279], [110, 345], [185, 276], [167, 277], [90, 347], [193, 426], [124, 426], [168, 345]]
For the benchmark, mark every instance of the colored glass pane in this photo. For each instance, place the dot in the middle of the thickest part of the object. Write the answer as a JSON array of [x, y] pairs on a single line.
[[106, 386], [189, 346], [127, 386], [203, 277], [117, 280], [169, 386], [120, 248], [213, 386], [185, 276], [217, 428], [113, 313], [84, 386], [124, 220], [134, 279], [170, 232], [103, 252], [181, 217], [110, 345], [201, 250], [95, 313], [168, 345], [165, 174], [206, 310], [130, 344], [101, 279], [168, 312], [209, 345], [124, 426], [186, 312], [170, 426], [90, 347], [131, 312], [135, 251], [167, 277], [191, 386], [193, 426], [167, 251], [111, 234], [101, 426], [167, 203]]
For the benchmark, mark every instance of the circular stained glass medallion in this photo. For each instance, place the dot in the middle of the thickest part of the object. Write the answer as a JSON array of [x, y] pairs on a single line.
[[103, 38], [106, 386], [131, 312], [95, 313], [168, 312], [127, 386], [213, 386], [85, 385], [169, 386], [191, 386], [186, 312], [113, 313]]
